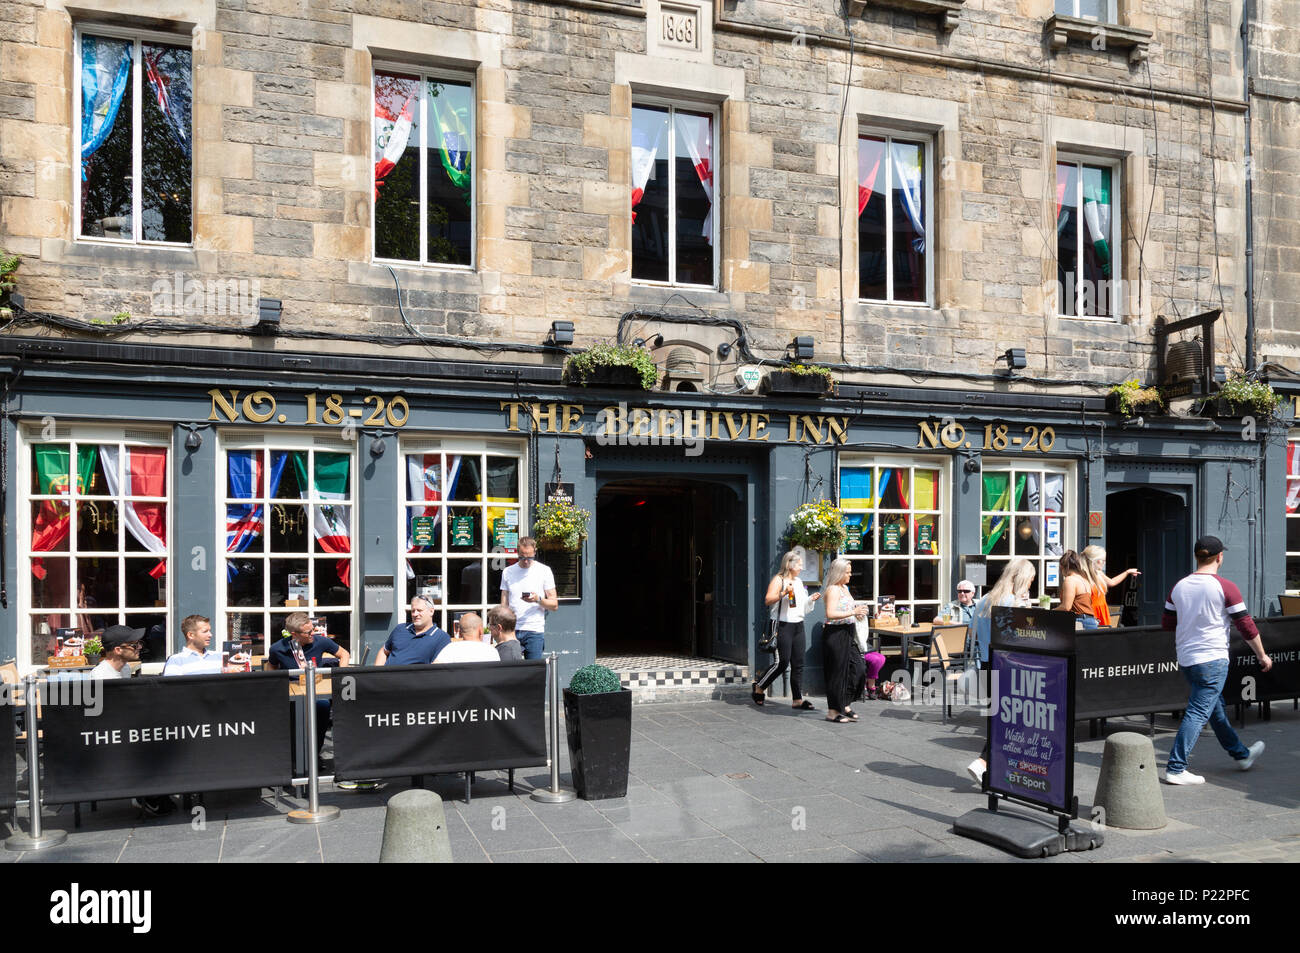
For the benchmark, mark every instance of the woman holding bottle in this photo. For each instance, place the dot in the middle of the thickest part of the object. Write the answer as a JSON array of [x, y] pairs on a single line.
[[789, 599]]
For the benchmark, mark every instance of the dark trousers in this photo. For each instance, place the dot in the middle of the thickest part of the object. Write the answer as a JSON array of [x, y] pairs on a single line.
[[790, 647], [843, 672]]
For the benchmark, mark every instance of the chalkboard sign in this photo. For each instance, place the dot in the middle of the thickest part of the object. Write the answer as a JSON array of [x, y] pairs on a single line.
[[567, 568]]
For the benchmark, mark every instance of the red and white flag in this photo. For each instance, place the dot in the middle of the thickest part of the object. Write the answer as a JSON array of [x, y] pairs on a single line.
[[146, 475], [391, 135]]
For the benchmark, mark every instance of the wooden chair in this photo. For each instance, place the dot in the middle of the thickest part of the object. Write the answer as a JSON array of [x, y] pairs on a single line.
[[949, 651], [1290, 604]]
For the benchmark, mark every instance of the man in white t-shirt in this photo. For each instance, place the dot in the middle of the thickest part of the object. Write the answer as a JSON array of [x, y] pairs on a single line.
[[528, 588], [1199, 610], [470, 647], [121, 647]]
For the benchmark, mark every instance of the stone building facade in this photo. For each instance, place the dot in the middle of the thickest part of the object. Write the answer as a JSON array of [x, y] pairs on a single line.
[[916, 185]]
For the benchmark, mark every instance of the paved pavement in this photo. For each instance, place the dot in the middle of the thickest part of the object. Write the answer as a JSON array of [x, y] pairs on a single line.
[[724, 781]]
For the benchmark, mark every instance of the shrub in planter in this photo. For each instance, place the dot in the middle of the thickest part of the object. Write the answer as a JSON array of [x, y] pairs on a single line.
[[611, 365], [598, 723], [800, 380], [1241, 395], [1131, 398]]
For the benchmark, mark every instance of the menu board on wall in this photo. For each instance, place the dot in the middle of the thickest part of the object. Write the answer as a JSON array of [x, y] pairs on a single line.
[[567, 568]]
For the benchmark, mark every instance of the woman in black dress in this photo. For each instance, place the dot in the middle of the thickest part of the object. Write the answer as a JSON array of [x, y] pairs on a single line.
[[842, 664]]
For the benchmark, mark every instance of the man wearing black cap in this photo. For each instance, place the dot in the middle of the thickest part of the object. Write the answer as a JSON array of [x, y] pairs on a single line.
[[121, 645], [1199, 609]]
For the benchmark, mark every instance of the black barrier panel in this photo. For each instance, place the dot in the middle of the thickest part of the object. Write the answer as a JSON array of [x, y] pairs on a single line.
[[1130, 671], [8, 752], [115, 738], [1282, 643], [416, 719]]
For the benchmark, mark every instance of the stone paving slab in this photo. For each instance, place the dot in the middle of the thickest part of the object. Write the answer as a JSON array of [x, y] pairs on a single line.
[[724, 781]]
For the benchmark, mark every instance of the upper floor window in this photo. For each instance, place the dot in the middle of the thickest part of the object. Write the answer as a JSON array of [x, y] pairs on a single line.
[[893, 220], [424, 182], [1100, 10], [132, 116], [1087, 253], [674, 217]]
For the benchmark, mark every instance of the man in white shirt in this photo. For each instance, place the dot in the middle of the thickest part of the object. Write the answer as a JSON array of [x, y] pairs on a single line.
[[194, 659], [528, 588], [1199, 610], [470, 647]]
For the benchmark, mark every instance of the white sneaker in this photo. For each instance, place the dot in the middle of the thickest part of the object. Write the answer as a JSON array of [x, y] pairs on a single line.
[[976, 771], [1183, 777], [1256, 750]]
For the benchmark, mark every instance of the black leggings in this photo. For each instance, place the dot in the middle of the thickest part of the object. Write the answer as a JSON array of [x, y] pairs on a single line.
[[790, 647]]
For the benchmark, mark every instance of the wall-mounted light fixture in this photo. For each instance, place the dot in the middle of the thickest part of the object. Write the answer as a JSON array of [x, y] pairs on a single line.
[[268, 317], [802, 347], [560, 335], [1015, 358]]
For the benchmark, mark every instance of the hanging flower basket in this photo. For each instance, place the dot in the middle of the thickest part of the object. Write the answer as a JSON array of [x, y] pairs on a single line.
[[560, 525], [818, 527]]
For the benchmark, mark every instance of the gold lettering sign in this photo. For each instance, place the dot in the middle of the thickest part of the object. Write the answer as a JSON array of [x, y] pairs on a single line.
[[641, 425], [949, 434], [260, 406]]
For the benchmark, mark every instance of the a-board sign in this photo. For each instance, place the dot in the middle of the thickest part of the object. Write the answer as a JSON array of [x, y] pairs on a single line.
[[1031, 731]]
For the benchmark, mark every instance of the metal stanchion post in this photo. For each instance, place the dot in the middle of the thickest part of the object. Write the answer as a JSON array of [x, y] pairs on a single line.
[[315, 813], [554, 795], [38, 839]]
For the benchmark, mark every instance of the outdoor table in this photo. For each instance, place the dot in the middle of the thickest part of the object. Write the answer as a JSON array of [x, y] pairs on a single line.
[[905, 634]]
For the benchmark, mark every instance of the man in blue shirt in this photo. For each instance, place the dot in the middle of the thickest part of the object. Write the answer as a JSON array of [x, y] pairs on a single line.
[[195, 659], [301, 644], [417, 642]]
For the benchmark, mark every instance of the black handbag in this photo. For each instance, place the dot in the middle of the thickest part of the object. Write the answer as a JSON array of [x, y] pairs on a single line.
[[768, 642]]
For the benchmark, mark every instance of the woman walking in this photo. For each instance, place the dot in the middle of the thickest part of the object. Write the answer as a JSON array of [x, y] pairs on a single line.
[[789, 599], [840, 656]]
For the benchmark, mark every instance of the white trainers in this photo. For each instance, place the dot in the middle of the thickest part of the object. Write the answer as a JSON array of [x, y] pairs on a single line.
[[1256, 750], [976, 771], [1183, 777]]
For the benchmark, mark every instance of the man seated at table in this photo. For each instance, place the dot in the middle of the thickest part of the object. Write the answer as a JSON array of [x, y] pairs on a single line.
[[417, 642], [501, 623], [121, 646], [301, 644], [194, 659], [470, 647], [962, 612]]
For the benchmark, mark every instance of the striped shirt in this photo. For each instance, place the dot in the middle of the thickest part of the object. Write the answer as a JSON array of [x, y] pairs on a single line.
[[1199, 610], [189, 662]]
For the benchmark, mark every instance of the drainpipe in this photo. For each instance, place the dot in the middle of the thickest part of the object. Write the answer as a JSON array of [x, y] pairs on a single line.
[[1250, 175]]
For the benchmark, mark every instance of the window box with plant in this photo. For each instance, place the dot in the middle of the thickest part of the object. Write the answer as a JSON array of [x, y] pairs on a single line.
[[1241, 395], [598, 724], [800, 380], [559, 524], [611, 365], [1131, 398]]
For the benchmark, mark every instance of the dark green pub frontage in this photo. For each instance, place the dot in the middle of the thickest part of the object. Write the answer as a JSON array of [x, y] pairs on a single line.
[[147, 483]]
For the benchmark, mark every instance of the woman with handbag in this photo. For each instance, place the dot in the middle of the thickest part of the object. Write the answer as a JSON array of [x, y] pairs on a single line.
[[842, 663], [789, 599]]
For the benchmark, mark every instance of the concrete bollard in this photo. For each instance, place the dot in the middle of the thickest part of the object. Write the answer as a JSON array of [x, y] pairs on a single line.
[[1129, 787], [415, 830]]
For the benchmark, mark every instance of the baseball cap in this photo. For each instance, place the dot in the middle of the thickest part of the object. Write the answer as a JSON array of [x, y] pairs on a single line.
[[1207, 546], [116, 635]]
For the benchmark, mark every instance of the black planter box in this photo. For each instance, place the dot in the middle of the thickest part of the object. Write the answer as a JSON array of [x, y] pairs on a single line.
[[599, 728], [618, 376], [788, 384], [1222, 408], [1112, 404]]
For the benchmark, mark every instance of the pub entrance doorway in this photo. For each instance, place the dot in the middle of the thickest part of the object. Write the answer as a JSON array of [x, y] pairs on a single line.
[[1148, 527], [669, 570]]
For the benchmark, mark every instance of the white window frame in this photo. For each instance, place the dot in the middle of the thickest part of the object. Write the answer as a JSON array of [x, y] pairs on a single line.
[[29, 436], [426, 75], [229, 440], [137, 131], [445, 611], [1292, 438], [1116, 167], [1069, 514], [926, 140], [714, 112], [1111, 11], [944, 514]]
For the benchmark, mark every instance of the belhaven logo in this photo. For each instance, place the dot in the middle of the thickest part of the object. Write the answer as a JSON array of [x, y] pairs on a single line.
[[77, 906]]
